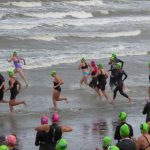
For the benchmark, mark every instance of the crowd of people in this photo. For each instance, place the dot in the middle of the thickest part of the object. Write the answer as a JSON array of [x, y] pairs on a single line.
[[49, 137]]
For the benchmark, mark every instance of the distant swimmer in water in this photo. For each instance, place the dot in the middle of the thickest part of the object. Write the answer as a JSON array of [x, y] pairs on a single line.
[[93, 73], [119, 79], [57, 89], [2, 89], [85, 71], [14, 90], [149, 81], [102, 76], [17, 63]]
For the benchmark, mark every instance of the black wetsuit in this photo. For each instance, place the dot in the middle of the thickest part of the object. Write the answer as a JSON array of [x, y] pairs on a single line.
[[2, 89], [41, 140], [126, 144], [101, 81], [54, 135], [112, 81], [93, 83], [146, 110], [58, 88], [14, 90], [119, 75], [117, 131], [147, 142]]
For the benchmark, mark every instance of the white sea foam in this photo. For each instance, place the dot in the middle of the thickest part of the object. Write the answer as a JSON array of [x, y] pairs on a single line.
[[16, 26], [87, 3], [24, 4], [76, 14], [42, 38]]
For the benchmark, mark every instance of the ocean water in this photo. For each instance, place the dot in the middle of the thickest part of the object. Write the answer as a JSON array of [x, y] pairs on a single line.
[[57, 34], [48, 32]]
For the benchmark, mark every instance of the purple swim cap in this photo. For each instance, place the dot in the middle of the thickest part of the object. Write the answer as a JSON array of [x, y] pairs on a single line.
[[55, 117], [92, 62], [44, 120]]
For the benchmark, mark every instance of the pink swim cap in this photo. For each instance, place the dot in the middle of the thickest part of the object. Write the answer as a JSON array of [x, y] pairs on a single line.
[[10, 139], [44, 120], [55, 117]]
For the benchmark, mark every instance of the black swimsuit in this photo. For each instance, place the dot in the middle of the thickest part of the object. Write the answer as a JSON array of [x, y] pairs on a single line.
[[101, 81], [58, 88], [13, 90], [84, 67], [2, 89]]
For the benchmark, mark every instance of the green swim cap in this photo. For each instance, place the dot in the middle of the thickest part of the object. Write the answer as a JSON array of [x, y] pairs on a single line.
[[112, 58], [113, 148], [11, 72], [144, 127], [14, 53], [100, 66], [122, 116], [62, 144], [107, 141], [118, 65], [82, 59], [114, 55], [53, 72], [124, 130], [4, 147]]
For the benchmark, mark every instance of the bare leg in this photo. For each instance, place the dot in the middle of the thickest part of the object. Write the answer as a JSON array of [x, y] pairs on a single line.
[[149, 93], [14, 103], [85, 80], [20, 71], [82, 80], [98, 92], [54, 100], [106, 96], [4, 101]]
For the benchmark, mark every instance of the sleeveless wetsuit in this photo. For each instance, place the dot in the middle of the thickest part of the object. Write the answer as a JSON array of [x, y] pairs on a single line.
[[54, 134], [2, 89], [58, 88], [93, 83], [101, 81], [147, 142], [13, 90], [17, 63], [119, 86]]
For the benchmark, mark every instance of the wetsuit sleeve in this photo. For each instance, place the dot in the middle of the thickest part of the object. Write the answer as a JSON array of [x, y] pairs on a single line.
[[119, 60], [145, 109], [117, 133], [37, 140], [131, 131], [125, 75]]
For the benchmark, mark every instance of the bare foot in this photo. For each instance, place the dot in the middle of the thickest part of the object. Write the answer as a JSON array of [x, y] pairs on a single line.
[[111, 102], [24, 103], [66, 100]]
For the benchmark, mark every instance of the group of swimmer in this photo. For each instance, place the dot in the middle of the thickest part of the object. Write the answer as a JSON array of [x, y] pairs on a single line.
[[97, 72]]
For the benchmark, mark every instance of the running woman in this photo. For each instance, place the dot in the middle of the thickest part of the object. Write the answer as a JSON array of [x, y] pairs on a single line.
[[2, 89], [102, 76], [57, 89], [93, 72], [119, 78], [149, 81], [85, 71], [17, 64], [14, 90]]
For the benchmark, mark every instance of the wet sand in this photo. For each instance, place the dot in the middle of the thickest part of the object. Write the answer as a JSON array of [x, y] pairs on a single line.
[[90, 117]]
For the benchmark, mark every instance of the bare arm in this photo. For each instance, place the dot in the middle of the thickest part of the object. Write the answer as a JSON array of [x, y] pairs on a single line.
[[23, 60], [67, 129], [59, 80], [138, 144], [10, 59], [11, 85], [3, 84], [42, 128], [19, 85]]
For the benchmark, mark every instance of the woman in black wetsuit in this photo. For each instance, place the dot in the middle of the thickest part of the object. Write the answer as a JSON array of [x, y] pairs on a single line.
[[14, 90], [57, 89], [119, 75], [102, 76], [149, 81]]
